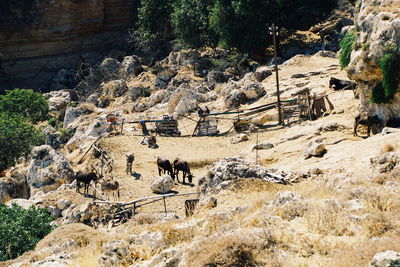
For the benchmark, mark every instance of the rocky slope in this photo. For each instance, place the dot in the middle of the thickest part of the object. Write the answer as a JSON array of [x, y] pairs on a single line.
[[378, 28], [39, 38]]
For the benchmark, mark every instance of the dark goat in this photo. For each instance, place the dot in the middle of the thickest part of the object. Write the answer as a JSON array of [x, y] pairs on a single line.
[[165, 166], [337, 84], [85, 178], [372, 122], [129, 162], [182, 165]]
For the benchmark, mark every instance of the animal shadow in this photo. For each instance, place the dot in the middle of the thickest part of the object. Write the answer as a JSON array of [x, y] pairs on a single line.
[[136, 175]]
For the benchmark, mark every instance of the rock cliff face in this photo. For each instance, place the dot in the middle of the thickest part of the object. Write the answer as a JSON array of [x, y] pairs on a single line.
[[378, 28], [37, 38]]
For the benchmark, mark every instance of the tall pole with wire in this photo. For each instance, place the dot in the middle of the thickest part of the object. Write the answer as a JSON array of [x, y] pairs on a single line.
[[274, 31]]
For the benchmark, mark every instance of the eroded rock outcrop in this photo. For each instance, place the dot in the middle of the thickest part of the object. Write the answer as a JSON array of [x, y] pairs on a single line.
[[378, 31]]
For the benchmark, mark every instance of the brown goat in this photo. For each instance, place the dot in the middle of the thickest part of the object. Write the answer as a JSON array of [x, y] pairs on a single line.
[[164, 166], [182, 165]]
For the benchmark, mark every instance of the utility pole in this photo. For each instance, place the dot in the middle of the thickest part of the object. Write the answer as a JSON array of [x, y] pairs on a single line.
[[274, 31]]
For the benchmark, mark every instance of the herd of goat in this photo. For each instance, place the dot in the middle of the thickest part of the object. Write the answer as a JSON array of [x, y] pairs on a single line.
[[111, 186]]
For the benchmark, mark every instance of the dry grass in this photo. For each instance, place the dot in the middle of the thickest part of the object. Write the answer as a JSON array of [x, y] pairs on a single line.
[[89, 257], [328, 220], [201, 163], [377, 224]]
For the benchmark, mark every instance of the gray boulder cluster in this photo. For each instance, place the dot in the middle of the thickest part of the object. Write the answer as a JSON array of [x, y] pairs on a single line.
[[234, 168]]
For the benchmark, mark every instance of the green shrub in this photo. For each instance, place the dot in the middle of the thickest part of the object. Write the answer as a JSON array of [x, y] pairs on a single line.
[[21, 230], [16, 139], [390, 67], [52, 122], [28, 104], [378, 95], [346, 46]]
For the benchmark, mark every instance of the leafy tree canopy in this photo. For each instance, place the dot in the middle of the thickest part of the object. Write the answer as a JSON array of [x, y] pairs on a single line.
[[16, 139], [26, 103], [21, 230]]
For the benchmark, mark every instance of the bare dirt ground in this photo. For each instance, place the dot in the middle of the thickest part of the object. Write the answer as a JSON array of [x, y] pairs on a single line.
[[287, 155]]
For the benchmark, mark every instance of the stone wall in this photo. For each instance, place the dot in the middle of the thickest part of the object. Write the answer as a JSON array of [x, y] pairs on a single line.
[[55, 33]]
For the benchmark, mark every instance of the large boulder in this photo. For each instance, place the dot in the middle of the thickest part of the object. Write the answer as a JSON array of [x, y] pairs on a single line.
[[214, 77], [109, 69], [387, 258], [115, 88], [162, 184], [58, 100], [234, 168], [314, 149], [189, 57], [73, 113], [87, 132], [253, 90], [164, 77], [148, 102], [48, 168], [239, 138], [235, 98], [131, 66]]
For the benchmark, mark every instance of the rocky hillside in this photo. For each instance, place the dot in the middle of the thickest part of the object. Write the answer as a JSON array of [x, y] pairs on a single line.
[[38, 38], [377, 32]]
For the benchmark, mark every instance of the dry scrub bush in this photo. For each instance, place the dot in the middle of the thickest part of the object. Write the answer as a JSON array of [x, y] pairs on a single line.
[[291, 210], [224, 250], [87, 108], [388, 148], [382, 200], [377, 224], [328, 220], [174, 236], [380, 178]]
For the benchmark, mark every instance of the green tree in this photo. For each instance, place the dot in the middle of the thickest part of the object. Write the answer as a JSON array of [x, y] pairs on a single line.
[[16, 139], [21, 230], [242, 24], [153, 22], [26, 103], [301, 14], [190, 20]]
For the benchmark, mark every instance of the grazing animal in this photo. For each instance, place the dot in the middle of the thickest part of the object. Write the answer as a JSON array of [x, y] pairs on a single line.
[[110, 187], [129, 162], [86, 179], [182, 165], [338, 84], [165, 166], [152, 142], [372, 122]]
